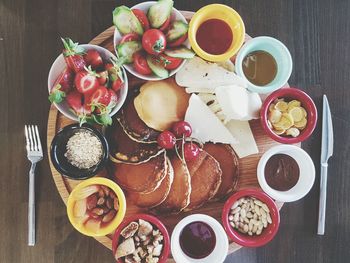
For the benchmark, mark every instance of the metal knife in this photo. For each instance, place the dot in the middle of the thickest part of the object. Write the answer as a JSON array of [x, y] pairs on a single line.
[[326, 152]]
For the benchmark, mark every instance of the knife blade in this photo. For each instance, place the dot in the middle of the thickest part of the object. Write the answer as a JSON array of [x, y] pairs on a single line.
[[326, 153]]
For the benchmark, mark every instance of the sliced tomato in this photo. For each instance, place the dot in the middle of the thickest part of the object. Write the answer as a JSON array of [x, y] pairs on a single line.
[[142, 18], [129, 37], [140, 64], [178, 42], [170, 63], [165, 25]]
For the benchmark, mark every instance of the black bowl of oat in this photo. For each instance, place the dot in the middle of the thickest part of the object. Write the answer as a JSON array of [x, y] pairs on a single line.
[[79, 152]]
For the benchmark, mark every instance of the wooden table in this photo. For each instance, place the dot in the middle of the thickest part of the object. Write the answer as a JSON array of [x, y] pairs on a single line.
[[318, 36]]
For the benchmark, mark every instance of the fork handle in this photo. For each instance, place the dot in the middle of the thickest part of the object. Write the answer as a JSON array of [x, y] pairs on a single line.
[[31, 206], [323, 198]]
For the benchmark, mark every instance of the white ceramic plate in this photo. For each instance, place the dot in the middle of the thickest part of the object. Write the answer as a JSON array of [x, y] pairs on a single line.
[[59, 65], [176, 15]]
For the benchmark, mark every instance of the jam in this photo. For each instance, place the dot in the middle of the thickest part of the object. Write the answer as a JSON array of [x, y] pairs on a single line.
[[214, 36], [197, 240]]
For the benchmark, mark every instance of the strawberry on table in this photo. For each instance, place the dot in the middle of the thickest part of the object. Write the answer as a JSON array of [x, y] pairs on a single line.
[[73, 55], [86, 81], [93, 58], [62, 85]]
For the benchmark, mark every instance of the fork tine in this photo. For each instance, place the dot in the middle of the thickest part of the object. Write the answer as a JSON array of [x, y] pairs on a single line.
[[30, 139], [35, 146], [38, 138], [27, 137]]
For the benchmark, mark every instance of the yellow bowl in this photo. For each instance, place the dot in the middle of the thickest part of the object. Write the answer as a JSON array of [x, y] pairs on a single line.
[[117, 219], [226, 14]]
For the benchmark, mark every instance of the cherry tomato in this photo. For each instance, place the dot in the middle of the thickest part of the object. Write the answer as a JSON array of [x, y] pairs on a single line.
[[170, 63], [141, 65], [191, 151], [182, 128], [165, 25], [154, 41], [142, 18], [166, 140], [178, 42], [129, 37]]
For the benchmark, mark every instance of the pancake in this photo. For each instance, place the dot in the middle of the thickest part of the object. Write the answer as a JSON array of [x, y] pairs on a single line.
[[133, 126], [122, 149], [156, 197], [228, 161], [144, 178], [205, 179], [179, 195]]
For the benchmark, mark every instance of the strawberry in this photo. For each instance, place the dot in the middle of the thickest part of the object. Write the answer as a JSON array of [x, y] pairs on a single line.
[[86, 81], [115, 73], [62, 85], [73, 55], [114, 99], [117, 84], [93, 58], [100, 99], [75, 101], [103, 77]]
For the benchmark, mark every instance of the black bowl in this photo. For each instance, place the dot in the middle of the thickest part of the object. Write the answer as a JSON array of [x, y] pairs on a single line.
[[58, 149]]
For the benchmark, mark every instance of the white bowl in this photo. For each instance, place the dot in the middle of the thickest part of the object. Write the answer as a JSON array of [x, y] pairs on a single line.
[[221, 247], [306, 176], [59, 65], [176, 15]]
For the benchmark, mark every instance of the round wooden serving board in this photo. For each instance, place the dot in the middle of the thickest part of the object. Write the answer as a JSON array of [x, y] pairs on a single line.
[[247, 165]]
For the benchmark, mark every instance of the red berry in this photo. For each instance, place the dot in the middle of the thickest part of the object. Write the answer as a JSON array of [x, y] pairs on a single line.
[[182, 128], [191, 151], [166, 140]]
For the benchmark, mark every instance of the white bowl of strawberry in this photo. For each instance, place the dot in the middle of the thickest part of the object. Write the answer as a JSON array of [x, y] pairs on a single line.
[[150, 39], [87, 84]]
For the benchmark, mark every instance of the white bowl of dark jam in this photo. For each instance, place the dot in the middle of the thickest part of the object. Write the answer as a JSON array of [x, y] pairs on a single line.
[[199, 238], [286, 173]]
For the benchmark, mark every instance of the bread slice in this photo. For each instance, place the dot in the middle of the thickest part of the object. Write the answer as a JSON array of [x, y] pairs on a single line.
[[156, 197], [228, 161], [205, 179]]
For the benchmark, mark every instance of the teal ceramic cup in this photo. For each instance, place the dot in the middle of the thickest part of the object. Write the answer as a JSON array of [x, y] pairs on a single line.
[[280, 53]]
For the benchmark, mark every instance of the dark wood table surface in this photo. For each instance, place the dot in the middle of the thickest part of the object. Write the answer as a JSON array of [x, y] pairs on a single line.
[[318, 36]]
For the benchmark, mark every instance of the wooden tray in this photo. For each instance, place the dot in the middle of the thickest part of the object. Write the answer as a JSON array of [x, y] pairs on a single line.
[[247, 165]]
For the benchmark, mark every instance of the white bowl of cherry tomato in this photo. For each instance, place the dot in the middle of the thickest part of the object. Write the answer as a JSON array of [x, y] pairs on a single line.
[[87, 84], [150, 39]]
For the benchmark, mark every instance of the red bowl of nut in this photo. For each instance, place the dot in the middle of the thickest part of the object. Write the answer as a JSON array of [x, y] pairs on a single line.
[[141, 238], [288, 115], [250, 218]]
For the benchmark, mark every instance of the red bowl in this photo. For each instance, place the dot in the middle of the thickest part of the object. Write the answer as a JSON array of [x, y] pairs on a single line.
[[267, 234], [155, 222], [306, 102]]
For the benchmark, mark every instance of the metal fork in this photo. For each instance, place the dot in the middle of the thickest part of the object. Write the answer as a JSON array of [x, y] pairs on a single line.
[[34, 154]]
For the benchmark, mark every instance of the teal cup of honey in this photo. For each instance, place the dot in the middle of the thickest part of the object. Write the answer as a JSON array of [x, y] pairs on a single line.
[[265, 63]]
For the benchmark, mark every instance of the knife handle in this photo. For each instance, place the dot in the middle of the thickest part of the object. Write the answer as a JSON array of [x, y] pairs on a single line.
[[323, 197]]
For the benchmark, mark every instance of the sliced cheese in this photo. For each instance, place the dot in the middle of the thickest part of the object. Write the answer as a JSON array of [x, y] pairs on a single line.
[[242, 132], [234, 101], [206, 127], [202, 76], [254, 106]]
